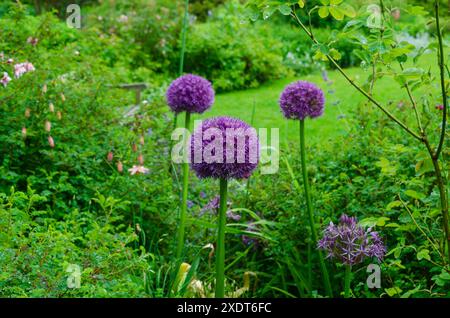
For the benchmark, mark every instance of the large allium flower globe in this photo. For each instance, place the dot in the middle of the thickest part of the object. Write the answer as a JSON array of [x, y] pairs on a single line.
[[190, 93], [237, 169], [302, 99], [350, 243]]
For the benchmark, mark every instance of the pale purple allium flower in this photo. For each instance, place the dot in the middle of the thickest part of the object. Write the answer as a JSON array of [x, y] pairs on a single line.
[[5, 79], [325, 75], [213, 206], [302, 99], [440, 107], [247, 240], [33, 41], [237, 150], [190, 93], [349, 243]]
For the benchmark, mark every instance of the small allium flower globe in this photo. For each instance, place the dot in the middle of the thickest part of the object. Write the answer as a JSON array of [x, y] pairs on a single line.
[[190, 93], [226, 169], [302, 99], [349, 243]]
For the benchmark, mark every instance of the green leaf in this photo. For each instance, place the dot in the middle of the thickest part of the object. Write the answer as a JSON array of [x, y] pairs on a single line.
[[301, 3], [393, 291], [415, 195], [335, 1], [423, 254], [324, 12], [337, 13], [348, 10], [325, 2], [284, 9], [335, 54], [393, 204]]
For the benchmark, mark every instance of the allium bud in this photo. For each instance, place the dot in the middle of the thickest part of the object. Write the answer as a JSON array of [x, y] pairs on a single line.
[[48, 126], [51, 142], [58, 115], [24, 132], [44, 88], [134, 147], [63, 98], [27, 113], [119, 166], [142, 140], [141, 159], [51, 107], [110, 156]]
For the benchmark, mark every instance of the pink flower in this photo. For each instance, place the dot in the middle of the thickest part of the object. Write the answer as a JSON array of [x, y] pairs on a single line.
[[22, 68], [120, 166], [10, 61], [110, 156], [51, 142], [440, 107], [141, 159], [5, 79], [138, 170], [24, 132], [48, 126], [134, 147]]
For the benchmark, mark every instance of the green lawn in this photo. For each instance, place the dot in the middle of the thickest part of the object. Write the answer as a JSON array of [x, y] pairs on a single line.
[[268, 115]]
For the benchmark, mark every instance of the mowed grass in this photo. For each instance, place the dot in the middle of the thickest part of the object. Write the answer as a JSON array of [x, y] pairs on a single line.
[[341, 98]]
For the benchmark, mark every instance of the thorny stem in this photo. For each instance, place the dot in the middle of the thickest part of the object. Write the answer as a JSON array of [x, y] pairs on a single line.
[[362, 91]]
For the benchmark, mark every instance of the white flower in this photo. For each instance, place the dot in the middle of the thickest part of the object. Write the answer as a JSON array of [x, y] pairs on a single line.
[[138, 170], [5, 79]]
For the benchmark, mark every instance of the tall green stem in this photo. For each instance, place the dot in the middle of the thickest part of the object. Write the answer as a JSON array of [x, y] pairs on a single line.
[[220, 248], [326, 278], [183, 207], [348, 278]]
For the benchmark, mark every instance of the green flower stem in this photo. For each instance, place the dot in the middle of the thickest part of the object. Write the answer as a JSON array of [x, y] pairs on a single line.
[[348, 278], [183, 207], [326, 278], [220, 248]]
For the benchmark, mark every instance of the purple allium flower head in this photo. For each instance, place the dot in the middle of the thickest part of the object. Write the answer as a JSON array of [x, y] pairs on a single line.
[[224, 148], [349, 243], [302, 99], [190, 93], [247, 240]]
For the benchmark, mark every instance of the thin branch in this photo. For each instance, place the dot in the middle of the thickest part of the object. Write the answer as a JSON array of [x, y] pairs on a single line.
[[414, 104], [376, 103], [442, 73]]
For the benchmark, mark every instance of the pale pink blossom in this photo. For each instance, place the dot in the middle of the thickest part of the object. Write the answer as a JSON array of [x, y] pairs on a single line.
[[24, 132], [138, 170], [5, 79], [22, 68], [134, 147], [44, 88], [27, 113], [51, 142], [48, 126], [51, 107], [10, 61], [141, 159], [110, 156], [120, 166]]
